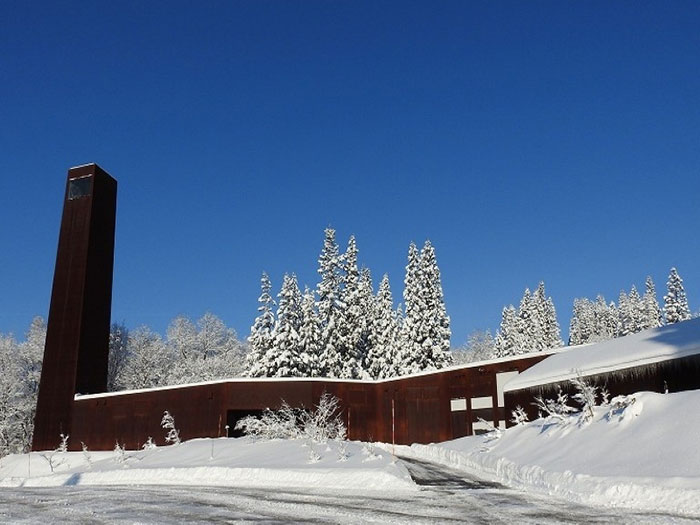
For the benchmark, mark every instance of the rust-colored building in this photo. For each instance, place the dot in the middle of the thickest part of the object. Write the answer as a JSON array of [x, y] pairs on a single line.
[[420, 408]]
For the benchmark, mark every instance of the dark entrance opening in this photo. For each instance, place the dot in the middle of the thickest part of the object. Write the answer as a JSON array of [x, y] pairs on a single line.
[[233, 416]]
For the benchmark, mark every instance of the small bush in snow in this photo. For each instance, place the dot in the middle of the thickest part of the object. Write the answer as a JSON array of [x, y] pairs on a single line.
[[369, 450], [585, 395], [53, 458], [324, 422], [604, 397], [319, 425], [86, 454], [519, 416], [149, 444], [558, 408], [314, 457], [120, 454], [168, 423]]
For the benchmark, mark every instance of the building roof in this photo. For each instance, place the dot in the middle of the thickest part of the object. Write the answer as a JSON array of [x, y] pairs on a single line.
[[643, 348]]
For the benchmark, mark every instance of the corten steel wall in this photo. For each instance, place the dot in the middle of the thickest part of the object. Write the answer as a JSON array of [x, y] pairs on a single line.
[[77, 338], [422, 411], [676, 375], [201, 410]]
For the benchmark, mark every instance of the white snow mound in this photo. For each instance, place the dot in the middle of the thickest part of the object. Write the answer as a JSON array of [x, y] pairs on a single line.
[[219, 462], [644, 456]]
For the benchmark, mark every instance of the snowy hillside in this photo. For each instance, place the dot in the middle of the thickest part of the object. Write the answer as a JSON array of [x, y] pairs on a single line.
[[223, 462], [642, 456]]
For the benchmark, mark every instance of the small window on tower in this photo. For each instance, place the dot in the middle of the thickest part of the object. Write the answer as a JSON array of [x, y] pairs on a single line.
[[79, 187]]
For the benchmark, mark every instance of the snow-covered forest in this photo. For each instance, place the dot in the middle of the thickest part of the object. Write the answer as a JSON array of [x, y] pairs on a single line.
[[343, 329], [533, 326]]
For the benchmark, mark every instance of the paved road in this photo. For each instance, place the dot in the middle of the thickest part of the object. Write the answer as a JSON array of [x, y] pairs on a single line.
[[446, 496]]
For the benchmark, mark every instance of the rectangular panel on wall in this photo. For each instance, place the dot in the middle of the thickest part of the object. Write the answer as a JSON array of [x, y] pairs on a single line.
[[458, 404], [481, 402]]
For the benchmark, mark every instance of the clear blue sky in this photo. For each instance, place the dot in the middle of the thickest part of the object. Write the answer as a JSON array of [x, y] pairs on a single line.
[[555, 141]]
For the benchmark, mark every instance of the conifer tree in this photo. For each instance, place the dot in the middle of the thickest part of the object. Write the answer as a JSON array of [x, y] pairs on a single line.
[[653, 316], [331, 309], [675, 301], [426, 324], [260, 339], [288, 360], [508, 338], [350, 332], [381, 359], [310, 334], [366, 336], [527, 324]]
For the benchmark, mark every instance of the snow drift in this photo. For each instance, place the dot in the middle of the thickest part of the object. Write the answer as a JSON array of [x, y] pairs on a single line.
[[222, 462], [644, 456]]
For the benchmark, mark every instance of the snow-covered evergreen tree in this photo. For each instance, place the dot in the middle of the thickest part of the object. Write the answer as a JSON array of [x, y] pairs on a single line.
[[287, 341], [331, 309], [549, 334], [528, 324], [259, 361], [508, 338], [652, 311], [412, 315], [426, 326], [676, 307], [349, 333], [582, 325], [310, 334], [368, 311], [381, 361]]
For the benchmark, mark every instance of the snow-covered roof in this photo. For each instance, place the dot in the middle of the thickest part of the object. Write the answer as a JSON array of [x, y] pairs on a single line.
[[306, 379], [643, 348]]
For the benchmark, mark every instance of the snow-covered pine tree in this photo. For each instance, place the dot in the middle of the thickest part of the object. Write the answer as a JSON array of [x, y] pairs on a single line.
[[368, 309], [508, 338], [625, 319], [607, 319], [528, 325], [260, 338], [426, 324], [310, 334], [582, 325], [382, 357], [550, 335], [437, 343], [676, 307], [331, 309], [652, 311], [638, 310], [287, 345], [350, 332], [414, 311]]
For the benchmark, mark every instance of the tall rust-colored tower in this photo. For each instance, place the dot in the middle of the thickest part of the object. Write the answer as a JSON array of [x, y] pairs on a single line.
[[77, 337]]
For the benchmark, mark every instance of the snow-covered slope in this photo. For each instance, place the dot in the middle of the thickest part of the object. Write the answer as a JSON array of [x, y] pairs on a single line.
[[644, 456], [643, 348], [226, 462]]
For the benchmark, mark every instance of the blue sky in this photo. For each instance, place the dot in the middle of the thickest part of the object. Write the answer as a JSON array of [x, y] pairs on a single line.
[[554, 141]]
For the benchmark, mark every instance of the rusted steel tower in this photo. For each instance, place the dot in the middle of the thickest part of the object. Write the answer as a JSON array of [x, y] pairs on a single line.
[[77, 338]]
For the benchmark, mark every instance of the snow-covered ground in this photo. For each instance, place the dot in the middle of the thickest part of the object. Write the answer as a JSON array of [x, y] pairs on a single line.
[[222, 462], [645, 456]]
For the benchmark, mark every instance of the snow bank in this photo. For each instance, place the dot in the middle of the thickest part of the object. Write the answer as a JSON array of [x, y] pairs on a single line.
[[643, 348], [220, 462], [644, 456]]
